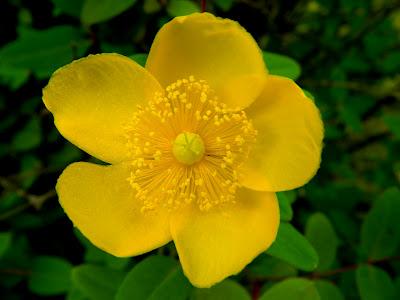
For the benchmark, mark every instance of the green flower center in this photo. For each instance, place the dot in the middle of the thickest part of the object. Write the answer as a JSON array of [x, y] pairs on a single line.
[[188, 148]]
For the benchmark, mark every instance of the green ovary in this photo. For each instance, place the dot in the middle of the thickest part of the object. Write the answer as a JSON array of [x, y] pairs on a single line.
[[188, 148]]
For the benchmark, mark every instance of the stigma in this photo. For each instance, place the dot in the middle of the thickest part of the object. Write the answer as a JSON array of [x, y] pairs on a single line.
[[186, 146]]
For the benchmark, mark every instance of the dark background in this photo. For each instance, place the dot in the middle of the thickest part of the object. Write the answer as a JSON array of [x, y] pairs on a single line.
[[349, 53]]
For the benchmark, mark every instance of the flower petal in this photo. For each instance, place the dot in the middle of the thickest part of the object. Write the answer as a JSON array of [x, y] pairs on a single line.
[[289, 142], [218, 243], [101, 203], [217, 50], [93, 97]]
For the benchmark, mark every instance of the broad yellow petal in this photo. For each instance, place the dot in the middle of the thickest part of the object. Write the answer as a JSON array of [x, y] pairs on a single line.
[[218, 243], [101, 203], [94, 97], [289, 142], [217, 50]]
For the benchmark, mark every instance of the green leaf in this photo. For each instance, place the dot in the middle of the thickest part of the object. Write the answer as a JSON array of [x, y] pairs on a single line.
[[267, 266], [30, 164], [328, 291], [96, 11], [140, 58], [181, 7], [380, 231], [321, 234], [151, 6], [397, 287], [5, 241], [227, 289], [75, 294], [292, 247], [308, 94], [293, 289], [66, 155], [225, 5], [50, 276], [14, 78], [374, 283], [285, 209], [70, 7], [29, 137], [392, 121], [282, 65], [156, 278], [97, 283], [43, 51]]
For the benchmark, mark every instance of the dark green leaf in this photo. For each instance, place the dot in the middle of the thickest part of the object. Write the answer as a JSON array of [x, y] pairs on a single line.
[[5, 242], [14, 78], [69, 7], [43, 51], [293, 289], [66, 155], [30, 165], [181, 7], [292, 247], [96, 11], [267, 266], [75, 294], [50, 275], [282, 65], [321, 234], [155, 278], [225, 5], [393, 122], [140, 58], [95, 282], [228, 289], [374, 284], [380, 231], [151, 6], [29, 137], [328, 291]]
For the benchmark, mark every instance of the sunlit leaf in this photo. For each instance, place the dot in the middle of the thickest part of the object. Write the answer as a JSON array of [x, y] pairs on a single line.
[[278, 64]]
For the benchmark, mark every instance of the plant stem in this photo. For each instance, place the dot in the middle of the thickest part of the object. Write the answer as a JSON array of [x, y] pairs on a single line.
[[203, 5]]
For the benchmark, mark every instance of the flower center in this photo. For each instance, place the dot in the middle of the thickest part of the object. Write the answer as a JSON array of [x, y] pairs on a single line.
[[188, 148]]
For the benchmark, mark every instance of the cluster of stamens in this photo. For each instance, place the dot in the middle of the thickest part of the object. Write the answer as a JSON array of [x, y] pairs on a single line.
[[163, 174]]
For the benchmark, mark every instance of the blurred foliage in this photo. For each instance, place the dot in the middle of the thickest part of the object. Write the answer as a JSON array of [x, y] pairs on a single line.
[[343, 241]]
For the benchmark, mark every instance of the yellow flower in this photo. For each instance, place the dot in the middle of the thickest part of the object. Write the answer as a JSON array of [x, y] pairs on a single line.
[[198, 141]]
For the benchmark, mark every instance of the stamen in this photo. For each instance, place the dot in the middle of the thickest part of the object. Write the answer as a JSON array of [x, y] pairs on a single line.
[[186, 147]]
